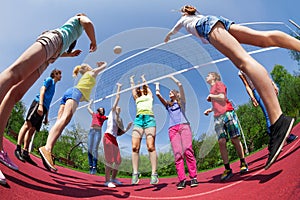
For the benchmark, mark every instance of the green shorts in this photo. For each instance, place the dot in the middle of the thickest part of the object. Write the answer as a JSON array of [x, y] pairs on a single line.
[[144, 121]]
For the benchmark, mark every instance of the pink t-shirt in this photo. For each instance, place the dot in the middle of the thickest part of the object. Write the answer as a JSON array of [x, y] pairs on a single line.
[[220, 107], [98, 119]]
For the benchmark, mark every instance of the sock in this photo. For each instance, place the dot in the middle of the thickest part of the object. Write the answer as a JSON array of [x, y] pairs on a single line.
[[18, 147], [242, 160], [227, 166]]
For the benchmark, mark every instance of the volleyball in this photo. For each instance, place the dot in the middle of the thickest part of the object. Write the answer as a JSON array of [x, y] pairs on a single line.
[[117, 49]]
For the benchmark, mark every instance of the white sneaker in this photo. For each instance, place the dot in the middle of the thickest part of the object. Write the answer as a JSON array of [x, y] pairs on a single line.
[[109, 184], [2, 179]]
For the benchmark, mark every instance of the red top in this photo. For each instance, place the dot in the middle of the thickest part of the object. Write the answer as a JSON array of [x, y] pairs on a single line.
[[220, 107], [98, 119]]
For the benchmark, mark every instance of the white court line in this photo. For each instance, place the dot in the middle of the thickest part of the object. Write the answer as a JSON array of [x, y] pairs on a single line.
[[219, 189]]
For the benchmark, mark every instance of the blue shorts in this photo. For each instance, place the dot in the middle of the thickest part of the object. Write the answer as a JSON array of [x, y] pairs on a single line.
[[205, 25], [227, 125], [144, 121], [71, 93]]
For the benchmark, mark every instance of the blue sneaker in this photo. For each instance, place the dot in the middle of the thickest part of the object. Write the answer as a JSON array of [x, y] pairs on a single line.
[[116, 181], [291, 138]]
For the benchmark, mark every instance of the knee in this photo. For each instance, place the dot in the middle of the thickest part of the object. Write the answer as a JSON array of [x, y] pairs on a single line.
[[135, 149], [151, 149], [222, 142]]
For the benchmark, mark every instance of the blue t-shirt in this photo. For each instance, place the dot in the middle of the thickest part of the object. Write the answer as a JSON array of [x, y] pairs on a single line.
[[176, 115], [49, 83], [70, 32]]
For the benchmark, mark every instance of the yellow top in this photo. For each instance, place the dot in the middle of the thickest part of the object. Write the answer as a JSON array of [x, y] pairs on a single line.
[[85, 85], [144, 105]]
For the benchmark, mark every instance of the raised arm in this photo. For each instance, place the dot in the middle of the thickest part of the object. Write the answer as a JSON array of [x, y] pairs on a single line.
[[100, 67], [145, 83], [162, 100], [117, 96], [180, 87], [248, 89], [89, 107], [133, 90]]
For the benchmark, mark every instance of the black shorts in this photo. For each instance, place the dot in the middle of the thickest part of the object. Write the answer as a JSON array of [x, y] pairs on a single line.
[[35, 119]]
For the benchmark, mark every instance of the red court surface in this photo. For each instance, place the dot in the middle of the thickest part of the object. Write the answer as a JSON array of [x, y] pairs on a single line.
[[281, 181]]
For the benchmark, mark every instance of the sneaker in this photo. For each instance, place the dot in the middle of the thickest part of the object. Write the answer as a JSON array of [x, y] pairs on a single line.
[[6, 161], [194, 182], [291, 138], [279, 132], [243, 168], [46, 155], [181, 185], [27, 158], [2, 179], [109, 184], [135, 178], [154, 179], [94, 170], [227, 174], [116, 181], [18, 154]]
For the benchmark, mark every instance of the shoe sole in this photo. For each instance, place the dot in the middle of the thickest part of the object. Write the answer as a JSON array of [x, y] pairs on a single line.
[[136, 182], [281, 145], [9, 165], [45, 160], [154, 183]]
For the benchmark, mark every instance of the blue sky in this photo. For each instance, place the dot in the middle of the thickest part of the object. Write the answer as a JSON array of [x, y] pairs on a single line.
[[23, 21]]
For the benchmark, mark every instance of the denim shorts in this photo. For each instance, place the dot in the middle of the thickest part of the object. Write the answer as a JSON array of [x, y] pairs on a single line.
[[205, 24], [71, 93], [144, 121], [227, 125], [52, 43]]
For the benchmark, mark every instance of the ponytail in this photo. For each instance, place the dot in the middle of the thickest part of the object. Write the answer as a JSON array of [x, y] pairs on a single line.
[[76, 70]]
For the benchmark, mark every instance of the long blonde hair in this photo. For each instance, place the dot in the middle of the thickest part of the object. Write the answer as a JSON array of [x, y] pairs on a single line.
[[81, 69]]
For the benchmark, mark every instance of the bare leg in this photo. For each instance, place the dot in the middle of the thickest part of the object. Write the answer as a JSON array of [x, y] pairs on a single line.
[[238, 146], [61, 123], [275, 38], [14, 95], [107, 173], [28, 137], [150, 140], [223, 150], [22, 68], [231, 48], [26, 126], [136, 144]]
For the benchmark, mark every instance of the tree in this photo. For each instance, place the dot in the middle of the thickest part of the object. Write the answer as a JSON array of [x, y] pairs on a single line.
[[16, 118], [289, 90]]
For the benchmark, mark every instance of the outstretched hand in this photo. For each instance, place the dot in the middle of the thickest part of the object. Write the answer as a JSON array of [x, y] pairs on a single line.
[[93, 47], [75, 53]]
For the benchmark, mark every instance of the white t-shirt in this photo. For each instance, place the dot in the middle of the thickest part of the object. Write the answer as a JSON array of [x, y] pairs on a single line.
[[112, 126]]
